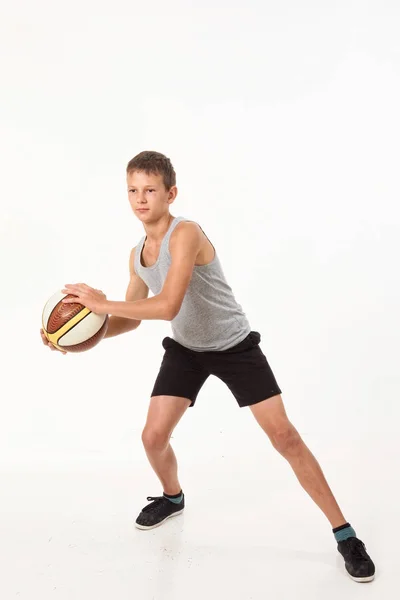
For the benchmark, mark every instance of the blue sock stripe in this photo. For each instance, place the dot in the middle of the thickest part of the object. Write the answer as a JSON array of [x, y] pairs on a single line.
[[174, 500], [343, 534]]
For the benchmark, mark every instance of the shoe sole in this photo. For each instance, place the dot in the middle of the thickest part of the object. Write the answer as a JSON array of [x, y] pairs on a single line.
[[361, 579], [145, 527]]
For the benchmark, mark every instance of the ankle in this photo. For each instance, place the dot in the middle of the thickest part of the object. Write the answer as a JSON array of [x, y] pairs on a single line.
[[174, 490]]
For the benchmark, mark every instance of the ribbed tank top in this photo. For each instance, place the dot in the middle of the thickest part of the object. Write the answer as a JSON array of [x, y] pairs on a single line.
[[210, 318]]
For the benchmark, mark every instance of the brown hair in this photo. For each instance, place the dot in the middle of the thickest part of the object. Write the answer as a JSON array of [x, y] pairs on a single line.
[[156, 163]]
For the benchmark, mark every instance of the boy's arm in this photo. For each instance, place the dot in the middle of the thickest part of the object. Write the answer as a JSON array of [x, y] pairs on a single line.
[[137, 290], [185, 244]]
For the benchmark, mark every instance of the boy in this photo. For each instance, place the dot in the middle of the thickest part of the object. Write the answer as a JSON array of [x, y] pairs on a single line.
[[211, 335]]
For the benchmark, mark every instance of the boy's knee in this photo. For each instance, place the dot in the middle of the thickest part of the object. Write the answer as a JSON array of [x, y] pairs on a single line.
[[154, 439], [286, 440]]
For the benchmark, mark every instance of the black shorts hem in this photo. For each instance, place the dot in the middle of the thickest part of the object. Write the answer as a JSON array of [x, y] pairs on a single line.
[[265, 397], [155, 394]]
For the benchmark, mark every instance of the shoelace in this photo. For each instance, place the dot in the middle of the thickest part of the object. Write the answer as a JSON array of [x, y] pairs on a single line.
[[156, 501], [357, 549]]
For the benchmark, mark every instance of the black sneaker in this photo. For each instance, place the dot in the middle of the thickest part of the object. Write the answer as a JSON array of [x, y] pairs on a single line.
[[159, 510], [357, 562]]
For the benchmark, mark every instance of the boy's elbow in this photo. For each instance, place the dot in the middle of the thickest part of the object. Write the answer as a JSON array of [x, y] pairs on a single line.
[[171, 311]]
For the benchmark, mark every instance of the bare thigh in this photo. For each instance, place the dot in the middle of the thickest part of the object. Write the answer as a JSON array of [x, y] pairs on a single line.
[[271, 414], [164, 413]]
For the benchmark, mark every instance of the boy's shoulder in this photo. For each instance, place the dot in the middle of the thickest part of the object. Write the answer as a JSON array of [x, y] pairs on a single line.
[[186, 232], [187, 225]]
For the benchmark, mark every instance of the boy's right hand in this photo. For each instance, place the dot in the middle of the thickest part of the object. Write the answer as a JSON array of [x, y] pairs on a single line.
[[47, 343]]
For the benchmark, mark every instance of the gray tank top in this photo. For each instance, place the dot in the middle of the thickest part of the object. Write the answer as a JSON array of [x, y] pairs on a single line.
[[209, 318]]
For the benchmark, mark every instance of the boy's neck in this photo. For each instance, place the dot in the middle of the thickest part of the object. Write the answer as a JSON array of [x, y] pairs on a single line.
[[155, 232]]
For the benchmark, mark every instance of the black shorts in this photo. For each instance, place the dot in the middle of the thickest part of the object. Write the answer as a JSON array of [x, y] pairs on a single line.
[[243, 368]]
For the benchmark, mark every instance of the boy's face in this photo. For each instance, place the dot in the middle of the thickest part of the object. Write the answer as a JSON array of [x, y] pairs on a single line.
[[148, 196]]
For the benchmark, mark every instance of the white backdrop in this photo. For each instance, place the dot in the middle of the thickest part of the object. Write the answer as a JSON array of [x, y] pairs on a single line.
[[282, 122]]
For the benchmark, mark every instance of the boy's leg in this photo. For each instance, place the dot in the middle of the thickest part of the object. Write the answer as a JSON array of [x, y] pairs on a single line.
[[271, 416], [245, 370], [178, 382], [163, 415]]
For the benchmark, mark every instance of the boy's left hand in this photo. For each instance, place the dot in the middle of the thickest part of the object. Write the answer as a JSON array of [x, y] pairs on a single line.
[[93, 299]]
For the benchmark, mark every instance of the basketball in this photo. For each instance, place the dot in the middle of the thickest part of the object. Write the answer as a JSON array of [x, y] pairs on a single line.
[[72, 327]]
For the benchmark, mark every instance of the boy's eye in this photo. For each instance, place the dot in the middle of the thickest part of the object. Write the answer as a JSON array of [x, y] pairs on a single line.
[[152, 190]]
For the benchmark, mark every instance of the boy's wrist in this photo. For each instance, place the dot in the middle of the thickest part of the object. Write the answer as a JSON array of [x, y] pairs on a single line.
[[105, 308]]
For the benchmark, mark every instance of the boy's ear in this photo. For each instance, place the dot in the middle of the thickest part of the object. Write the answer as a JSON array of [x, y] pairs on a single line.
[[172, 193]]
